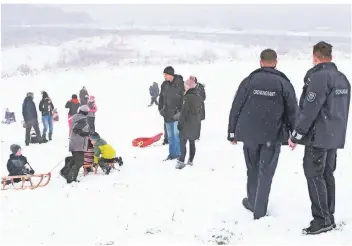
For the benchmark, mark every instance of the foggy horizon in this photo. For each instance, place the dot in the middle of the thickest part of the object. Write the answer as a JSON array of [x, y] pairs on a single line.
[[336, 17]]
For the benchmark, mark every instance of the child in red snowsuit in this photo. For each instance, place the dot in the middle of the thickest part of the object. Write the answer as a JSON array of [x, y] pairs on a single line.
[[73, 106]]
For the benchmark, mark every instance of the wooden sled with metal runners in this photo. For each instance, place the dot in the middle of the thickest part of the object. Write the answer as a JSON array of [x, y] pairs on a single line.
[[43, 180], [87, 166]]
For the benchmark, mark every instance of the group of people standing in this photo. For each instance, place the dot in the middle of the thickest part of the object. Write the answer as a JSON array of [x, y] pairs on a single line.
[[30, 117], [181, 104], [265, 115]]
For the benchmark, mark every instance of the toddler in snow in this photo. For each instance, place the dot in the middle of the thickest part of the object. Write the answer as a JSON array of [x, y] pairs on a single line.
[[104, 153]]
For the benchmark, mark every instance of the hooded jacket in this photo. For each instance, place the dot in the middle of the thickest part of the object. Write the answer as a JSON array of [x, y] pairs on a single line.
[[46, 106], [73, 106], [103, 149], [80, 133]]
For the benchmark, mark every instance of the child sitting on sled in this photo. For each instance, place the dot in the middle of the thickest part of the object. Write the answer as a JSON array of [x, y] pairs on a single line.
[[104, 153], [17, 165]]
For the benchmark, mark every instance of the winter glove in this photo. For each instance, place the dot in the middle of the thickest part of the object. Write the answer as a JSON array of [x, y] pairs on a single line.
[[176, 116], [231, 137], [161, 111]]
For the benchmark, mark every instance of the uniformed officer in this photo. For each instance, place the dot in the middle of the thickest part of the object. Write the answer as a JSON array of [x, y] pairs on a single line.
[[263, 110], [321, 127]]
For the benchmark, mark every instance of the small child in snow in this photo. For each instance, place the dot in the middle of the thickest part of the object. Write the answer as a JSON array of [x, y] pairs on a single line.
[[17, 164], [104, 153]]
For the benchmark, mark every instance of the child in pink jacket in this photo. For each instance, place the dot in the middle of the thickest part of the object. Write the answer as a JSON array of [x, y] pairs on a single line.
[[91, 114]]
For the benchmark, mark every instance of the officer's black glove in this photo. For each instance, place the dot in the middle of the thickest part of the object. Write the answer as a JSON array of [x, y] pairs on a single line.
[[231, 137]]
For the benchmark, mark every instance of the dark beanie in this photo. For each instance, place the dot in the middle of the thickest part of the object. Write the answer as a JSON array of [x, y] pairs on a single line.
[[169, 70], [14, 148], [74, 96]]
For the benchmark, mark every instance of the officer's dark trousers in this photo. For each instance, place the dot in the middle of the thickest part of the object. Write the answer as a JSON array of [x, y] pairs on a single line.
[[261, 161], [319, 166]]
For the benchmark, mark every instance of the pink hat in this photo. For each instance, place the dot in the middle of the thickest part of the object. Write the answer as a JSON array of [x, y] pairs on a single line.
[[92, 98], [190, 83]]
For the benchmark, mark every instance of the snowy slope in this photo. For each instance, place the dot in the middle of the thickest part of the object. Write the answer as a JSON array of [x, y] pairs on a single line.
[[149, 201]]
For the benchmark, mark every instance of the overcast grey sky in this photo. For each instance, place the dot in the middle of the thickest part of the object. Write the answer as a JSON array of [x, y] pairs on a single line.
[[266, 16]]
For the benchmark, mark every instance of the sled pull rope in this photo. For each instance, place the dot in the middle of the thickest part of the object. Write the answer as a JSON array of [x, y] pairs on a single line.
[[56, 165]]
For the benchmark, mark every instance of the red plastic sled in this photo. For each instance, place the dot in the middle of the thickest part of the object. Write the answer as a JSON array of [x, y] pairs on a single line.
[[145, 142]]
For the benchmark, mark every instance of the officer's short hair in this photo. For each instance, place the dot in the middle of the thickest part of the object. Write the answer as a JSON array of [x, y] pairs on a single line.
[[322, 50], [268, 55]]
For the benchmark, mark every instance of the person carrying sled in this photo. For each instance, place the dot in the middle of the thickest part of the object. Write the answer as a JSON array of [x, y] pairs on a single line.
[[46, 106], [30, 116], [189, 122], [154, 93], [83, 96], [104, 153], [91, 114], [73, 106], [78, 145], [17, 164], [170, 104]]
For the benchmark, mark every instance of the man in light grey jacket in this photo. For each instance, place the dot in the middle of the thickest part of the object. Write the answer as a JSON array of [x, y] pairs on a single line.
[[78, 143]]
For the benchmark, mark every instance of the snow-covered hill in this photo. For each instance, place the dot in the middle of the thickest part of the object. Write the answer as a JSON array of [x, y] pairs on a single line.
[[51, 48], [148, 201]]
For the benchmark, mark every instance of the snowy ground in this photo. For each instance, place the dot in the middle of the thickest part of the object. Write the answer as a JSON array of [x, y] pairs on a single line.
[[149, 201]]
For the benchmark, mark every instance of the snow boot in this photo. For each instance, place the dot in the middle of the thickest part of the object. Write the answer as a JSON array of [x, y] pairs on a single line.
[[44, 138], [190, 163], [316, 228], [50, 136], [180, 165], [246, 205], [170, 158], [107, 170]]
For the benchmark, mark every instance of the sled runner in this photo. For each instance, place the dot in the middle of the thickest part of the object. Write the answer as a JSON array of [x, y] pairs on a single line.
[[88, 167], [145, 142], [34, 180]]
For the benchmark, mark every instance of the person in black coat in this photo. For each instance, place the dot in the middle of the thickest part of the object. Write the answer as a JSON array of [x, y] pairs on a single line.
[[263, 110], [189, 123], [201, 90], [17, 164], [154, 93], [170, 104], [46, 106], [83, 96], [322, 127], [30, 116]]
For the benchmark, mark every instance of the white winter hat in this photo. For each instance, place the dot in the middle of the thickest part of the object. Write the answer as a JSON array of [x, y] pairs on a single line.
[[83, 108]]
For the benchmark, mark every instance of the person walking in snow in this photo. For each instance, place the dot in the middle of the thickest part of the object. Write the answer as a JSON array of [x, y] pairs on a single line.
[[78, 145], [154, 93], [73, 106], [263, 110], [30, 117], [46, 106], [189, 123], [324, 106], [91, 114], [170, 104], [83, 96]]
